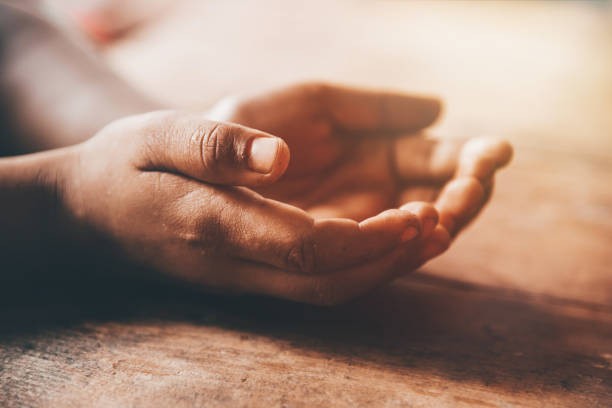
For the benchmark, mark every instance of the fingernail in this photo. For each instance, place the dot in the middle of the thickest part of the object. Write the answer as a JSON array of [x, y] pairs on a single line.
[[263, 154], [410, 233]]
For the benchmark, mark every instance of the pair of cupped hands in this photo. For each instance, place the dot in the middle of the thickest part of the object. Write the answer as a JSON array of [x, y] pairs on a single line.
[[314, 192]]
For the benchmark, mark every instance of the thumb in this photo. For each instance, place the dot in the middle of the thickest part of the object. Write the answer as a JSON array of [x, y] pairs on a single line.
[[215, 152]]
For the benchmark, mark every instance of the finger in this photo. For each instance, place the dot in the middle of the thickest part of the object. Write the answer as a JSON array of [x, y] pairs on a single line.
[[422, 159], [253, 228], [344, 284], [459, 201], [481, 157], [427, 214], [220, 153], [370, 110], [341, 243], [419, 159]]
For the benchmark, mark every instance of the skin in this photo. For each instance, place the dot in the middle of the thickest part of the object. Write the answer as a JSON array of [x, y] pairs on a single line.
[[358, 152], [345, 193], [171, 190]]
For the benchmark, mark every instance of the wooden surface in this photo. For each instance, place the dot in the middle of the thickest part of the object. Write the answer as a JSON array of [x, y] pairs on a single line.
[[420, 342], [518, 313]]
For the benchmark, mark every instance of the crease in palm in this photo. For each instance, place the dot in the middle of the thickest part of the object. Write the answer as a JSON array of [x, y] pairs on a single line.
[[357, 154]]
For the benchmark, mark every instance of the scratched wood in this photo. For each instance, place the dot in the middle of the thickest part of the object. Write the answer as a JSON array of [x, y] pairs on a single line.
[[518, 313], [421, 342]]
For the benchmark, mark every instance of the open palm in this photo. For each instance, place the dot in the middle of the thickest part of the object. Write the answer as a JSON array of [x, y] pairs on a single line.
[[355, 153]]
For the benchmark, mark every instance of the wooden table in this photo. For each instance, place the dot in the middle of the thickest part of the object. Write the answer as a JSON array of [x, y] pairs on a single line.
[[517, 313]]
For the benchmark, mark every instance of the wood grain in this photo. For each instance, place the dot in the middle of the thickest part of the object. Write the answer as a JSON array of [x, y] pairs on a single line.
[[422, 342]]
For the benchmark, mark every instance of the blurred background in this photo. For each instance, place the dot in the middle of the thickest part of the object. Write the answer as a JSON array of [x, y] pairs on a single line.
[[536, 73]]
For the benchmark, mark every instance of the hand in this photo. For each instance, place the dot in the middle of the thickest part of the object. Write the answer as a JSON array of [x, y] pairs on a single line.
[[161, 188], [355, 153]]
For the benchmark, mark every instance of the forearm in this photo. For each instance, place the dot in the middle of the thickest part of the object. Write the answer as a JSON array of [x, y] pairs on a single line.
[[54, 92]]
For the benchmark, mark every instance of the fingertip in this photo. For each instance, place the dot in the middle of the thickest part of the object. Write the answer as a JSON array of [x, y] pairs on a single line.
[[283, 157], [437, 109], [429, 112], [506, 152], [498, 151], [410, 222], [264, 154], [426, 213]]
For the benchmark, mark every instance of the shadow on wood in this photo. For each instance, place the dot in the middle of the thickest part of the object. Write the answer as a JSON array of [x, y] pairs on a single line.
[[420, 325]]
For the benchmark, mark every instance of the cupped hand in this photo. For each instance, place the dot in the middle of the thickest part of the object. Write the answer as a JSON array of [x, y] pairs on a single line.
[[310, 215], [170, 190], [355, 153]]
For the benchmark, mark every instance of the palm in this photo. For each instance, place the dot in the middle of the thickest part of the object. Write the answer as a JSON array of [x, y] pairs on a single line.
[[333, 172], [356, 153], [336, 176]]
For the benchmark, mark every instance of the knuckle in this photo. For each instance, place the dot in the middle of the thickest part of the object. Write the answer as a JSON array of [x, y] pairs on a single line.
[[301, 256], [473, 187], [153, 133], [194, 226], [216, 145], [484, 168]]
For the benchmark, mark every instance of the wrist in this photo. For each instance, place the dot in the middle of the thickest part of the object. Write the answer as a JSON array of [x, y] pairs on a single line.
[[32, 188]]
